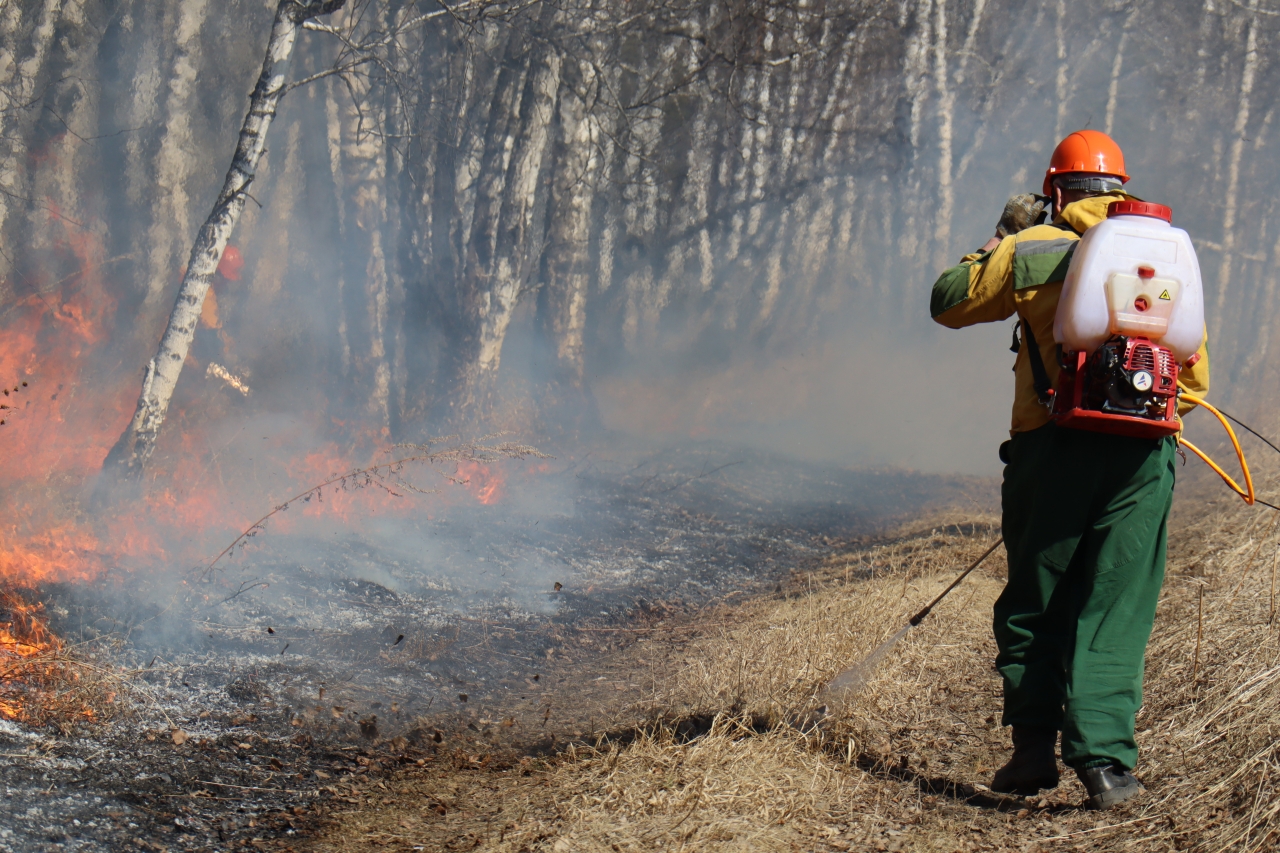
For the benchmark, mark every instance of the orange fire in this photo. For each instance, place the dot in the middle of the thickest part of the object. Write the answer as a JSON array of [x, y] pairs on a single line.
[[67, 397], [482, 481], [25, 644]]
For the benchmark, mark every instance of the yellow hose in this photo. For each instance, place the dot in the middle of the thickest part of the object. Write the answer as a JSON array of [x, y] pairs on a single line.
[[1247, 491]]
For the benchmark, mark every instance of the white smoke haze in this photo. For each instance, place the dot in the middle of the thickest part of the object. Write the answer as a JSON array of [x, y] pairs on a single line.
[[557, 221], [684, 250]]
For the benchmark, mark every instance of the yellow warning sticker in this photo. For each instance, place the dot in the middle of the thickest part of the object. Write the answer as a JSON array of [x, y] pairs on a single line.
[[1165, 295]]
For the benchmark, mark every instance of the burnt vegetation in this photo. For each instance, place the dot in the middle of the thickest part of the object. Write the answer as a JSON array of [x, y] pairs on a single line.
[[483, 215]]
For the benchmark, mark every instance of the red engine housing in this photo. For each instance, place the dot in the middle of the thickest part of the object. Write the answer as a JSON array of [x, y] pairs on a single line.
[[1129, 386]]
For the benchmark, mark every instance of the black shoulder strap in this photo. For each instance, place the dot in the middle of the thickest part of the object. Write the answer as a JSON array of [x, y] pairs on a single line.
[[1039, 376]]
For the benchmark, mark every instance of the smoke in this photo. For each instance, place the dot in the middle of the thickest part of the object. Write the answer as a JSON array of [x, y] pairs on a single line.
[[870, 380], [749, 277], [869, 396]]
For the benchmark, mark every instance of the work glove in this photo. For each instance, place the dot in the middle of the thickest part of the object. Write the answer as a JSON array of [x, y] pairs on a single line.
[[1021, 212]]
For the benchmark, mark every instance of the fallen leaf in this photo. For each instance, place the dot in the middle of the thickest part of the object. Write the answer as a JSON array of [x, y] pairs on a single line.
[[179, 736]]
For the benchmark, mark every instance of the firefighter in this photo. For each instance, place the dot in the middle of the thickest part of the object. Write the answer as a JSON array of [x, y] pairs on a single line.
[[216, 344], [1084, 514]]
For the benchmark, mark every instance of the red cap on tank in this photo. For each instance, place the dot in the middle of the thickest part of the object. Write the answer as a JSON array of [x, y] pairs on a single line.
[[1140, 208]]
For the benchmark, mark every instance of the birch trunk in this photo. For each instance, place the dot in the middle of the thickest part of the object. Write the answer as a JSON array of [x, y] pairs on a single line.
[[362, 154], [173, 162], [1247, 77], [506, 203], [946, 117], [135, 446], [17, 89], [513, 247], [569, 240]]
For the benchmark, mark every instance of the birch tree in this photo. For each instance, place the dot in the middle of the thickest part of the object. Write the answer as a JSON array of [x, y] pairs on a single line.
[[710, 182], [135, 446]]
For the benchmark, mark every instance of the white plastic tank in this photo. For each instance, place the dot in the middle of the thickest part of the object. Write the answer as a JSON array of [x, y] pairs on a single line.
[[1132, 274]]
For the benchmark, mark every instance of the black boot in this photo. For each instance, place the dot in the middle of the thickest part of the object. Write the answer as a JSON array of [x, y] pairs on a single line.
[[1033, 765], [1108, 785]]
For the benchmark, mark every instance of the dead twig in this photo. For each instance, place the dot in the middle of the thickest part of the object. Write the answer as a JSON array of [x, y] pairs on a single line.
[[386, 476]]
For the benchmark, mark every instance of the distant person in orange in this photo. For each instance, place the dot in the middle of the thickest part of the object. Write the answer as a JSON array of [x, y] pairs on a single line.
[[217, 347]]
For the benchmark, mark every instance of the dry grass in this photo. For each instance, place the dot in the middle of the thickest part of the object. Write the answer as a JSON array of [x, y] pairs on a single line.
[[44, 682], [901, 765]]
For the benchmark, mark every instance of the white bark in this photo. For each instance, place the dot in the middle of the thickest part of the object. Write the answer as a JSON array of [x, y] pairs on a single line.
[[916, 61], [17, 86], [1247, 78], [143, 101], [362, 156], [512, 249], [1117, 64], [971, 38], [136, 444], [1203, 52], [333, 144], [570, 235], [178, 153], [946, 112], [56, 180], [1060, 81]]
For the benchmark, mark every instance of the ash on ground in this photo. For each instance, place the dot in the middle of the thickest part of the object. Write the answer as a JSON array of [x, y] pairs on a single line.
[[317, 664]]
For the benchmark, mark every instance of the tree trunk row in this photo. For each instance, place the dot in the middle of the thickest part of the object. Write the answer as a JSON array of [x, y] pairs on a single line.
[[599, 184]]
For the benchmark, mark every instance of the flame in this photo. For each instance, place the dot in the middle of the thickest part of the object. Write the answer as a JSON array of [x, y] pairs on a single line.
[[26, 649], [67, 396], [25, 634], [482, 481]]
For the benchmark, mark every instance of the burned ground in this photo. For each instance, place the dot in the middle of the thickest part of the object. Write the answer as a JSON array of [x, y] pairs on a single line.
[[251, 706], [903, 764]]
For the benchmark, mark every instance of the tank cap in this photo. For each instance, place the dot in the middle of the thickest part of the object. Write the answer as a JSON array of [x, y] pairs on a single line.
[[1140, 208]]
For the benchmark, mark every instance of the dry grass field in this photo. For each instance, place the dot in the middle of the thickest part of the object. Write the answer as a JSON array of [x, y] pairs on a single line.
[[727, 763]]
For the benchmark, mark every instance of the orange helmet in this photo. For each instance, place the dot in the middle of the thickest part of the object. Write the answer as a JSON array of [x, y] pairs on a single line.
[[1086, 152]]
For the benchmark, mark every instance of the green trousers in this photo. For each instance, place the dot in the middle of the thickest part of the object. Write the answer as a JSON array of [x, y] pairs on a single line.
[[1084, 518]]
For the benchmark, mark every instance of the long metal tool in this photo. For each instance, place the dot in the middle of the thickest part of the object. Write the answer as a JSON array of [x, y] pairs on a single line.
[[851, 680]]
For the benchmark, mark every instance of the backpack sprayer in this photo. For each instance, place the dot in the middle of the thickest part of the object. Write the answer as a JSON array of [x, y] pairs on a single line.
[[1129, 319]]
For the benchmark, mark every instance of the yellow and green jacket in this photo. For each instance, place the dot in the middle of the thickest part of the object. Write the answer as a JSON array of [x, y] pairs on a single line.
[[1024, 275]]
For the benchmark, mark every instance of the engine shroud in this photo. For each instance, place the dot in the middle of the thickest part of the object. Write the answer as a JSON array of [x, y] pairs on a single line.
[[1128, 386]]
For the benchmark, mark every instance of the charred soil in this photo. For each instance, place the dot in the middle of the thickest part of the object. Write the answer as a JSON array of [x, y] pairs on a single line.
[[720, 756], [313, 678]]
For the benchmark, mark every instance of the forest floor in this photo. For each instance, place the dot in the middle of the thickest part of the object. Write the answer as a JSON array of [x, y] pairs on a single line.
[[692, 735], [313, 674]]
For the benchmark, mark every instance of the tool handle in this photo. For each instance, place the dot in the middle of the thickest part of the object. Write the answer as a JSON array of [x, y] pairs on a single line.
[[919, 617]]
